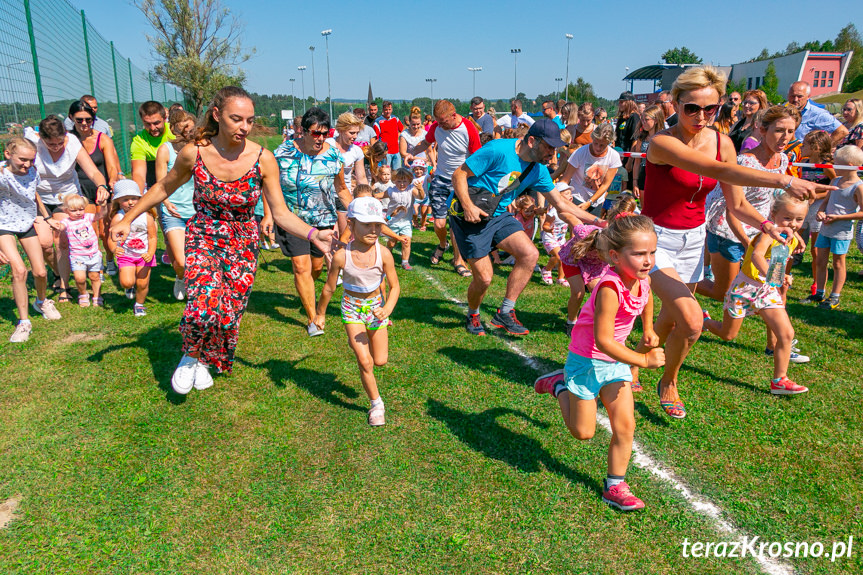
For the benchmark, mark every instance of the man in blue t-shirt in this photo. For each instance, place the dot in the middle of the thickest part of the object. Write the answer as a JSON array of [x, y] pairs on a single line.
[[506, 168]]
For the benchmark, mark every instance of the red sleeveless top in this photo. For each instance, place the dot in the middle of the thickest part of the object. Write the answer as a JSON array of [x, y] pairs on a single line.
[[674, 198]]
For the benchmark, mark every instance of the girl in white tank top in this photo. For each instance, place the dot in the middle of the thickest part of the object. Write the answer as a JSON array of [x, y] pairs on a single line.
[[364, 264]]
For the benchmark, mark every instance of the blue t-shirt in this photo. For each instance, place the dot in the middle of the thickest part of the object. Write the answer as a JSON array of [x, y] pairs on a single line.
[[496, 165], [559, 122]]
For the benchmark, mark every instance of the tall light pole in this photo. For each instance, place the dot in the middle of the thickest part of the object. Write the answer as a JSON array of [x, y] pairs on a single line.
[[566, 85], [314, 90], [558, 80], [515, 52], [474, 70], [292, 96], [624, 78], [302, 70], [326, 35], [431, 82]]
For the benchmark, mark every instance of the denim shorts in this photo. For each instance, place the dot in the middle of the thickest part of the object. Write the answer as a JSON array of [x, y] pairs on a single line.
[[87, 264], [438, 194], [729, 249], [837, 247], [402, 227], [170, 222], [477, 240], [584, 377]]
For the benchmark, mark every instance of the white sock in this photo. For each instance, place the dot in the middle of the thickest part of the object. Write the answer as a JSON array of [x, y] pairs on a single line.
[[24, 321], [570, 322], [612, 480], [377, 402]]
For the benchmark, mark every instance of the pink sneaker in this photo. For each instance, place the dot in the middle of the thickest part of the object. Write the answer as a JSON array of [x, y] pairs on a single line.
[[563, 282], [786, 387], [620, 497], [547, 382]]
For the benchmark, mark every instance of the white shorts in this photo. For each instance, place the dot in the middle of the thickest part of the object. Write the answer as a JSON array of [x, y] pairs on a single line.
[[681, 250], [86, 263]]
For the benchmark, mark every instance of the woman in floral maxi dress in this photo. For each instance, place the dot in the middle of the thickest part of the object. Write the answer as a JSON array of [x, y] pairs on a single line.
[[230, 173]]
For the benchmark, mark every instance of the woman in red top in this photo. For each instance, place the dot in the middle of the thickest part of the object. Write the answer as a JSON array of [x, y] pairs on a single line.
[[683, 164]]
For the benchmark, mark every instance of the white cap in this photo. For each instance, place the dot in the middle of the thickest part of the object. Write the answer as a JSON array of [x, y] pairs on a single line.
[[562, 187], [366, 210], [124, 188]]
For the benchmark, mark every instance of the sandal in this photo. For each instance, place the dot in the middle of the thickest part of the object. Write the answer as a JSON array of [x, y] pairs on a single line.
[[674, 408], [636, 386], [63, 296], [438, 254], [84, 300], [462, 271], [98, 302]]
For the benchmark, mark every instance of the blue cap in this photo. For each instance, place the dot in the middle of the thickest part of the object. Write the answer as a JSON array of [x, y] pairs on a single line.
[[548, 131]]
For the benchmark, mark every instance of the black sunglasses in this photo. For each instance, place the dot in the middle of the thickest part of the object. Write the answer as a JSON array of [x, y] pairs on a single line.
[[691, 109]]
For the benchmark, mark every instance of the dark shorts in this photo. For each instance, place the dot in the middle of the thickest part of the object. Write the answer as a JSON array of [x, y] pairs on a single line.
[[292, 246], [478, 240], [728, 249], [54, 209], [439, 192], [31, 233]]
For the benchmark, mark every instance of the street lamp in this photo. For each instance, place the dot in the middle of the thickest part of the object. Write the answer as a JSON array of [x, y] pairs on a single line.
[[624, 78], [314, 90], [302, 70], [431, 82], [12, 92], [559, 80], [566, 85], [515, 52], [326, 35], [474, 70], [292, 96]]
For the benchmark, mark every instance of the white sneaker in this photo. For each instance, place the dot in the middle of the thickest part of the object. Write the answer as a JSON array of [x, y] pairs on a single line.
[[339, 279], [21, 333], [47, 309], [183, 379], [140, 310], [314, 330], [111, 268], [377, 416], [179, 289], [130, 293], [203, 379]]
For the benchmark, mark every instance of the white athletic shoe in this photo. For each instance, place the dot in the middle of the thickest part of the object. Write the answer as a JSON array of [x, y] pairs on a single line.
[[139, 310], [183, 379], [179, 289], [203, 379], [47, 309], [21, 333], [314, 330]]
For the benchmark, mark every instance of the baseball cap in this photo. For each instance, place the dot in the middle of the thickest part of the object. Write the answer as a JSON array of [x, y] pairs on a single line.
[[548, 131], [366, 210], [124, 188], [562, 187], [626, 96]]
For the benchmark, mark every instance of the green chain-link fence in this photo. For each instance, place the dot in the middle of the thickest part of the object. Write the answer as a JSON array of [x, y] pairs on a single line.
[[50, 55]]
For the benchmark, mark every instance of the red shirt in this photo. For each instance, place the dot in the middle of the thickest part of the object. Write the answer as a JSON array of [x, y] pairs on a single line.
[[388, 131]]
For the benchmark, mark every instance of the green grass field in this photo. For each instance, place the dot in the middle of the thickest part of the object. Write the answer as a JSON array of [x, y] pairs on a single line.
[[275, 470]]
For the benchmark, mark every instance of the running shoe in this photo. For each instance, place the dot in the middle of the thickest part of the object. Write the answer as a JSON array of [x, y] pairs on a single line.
[[813, 288], [563, 282], [568, 329], [474, 324], [546, 383], [708, 274], [179, 289], [203, 379], [339, 279], [812, 298], [795, 356], [166, 259], [183, 379], [545, 277], [47, 309], [831, 302], [786, 387], [314, 330], [130, 293], [21, 333], [111, 268], [406, 266], [140, 310], [377, 416], [509, 322], [620, 497]]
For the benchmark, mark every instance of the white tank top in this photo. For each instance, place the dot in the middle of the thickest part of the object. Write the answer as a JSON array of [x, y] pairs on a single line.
[[138, 241], [362, 280]]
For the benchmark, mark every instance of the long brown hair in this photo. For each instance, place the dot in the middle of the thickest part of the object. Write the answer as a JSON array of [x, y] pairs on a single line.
[[209, 126], [374, 153], [625, 204]]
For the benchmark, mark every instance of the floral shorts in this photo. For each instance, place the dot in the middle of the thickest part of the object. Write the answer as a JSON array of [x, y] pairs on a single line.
[[745, 298], [358, 310]]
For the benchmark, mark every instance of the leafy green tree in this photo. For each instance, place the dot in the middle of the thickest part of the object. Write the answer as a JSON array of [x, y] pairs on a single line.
[[680, 56], [770, 85], [849, 39], [197, 46]]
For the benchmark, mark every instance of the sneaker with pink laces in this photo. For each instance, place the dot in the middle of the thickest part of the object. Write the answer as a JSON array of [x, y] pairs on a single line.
[[545, 383], [620, 497], [786, 387]]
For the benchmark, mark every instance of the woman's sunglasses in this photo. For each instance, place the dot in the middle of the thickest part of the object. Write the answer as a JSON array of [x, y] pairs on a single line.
[[691, 109]]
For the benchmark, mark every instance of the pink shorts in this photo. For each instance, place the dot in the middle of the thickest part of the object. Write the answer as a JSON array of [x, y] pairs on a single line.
[[136, 261]]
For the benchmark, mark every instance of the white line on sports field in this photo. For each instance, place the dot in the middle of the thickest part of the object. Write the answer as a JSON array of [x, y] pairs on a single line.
[[644, 460]]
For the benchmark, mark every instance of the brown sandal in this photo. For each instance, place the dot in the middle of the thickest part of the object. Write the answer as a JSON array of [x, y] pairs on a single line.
[[438, 254], [462, 271]]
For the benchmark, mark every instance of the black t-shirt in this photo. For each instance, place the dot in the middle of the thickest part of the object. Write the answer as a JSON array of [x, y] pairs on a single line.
[[671, 120], [626, 130], [738, 135]]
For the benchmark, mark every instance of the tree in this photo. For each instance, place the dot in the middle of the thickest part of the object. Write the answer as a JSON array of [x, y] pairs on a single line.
[[197, 45], [680, 56], [849, 39], [580, 91], [770, 85]]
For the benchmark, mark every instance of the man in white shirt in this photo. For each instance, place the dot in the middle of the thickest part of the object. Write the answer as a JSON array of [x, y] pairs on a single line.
[[515, 118]]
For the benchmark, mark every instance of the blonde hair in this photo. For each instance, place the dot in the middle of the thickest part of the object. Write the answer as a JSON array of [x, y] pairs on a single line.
[[347, 121], [13, 144], [849, 155], [619, 233], [362, 191], [523, 202], [603, 132], [787, 201], [656, 114], [73, 201], [858, 114], [696, 78], [416, 113]]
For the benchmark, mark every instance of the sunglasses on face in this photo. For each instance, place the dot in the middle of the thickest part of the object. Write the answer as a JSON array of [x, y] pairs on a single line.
[[691, 109], [319, 133], [83, 120]]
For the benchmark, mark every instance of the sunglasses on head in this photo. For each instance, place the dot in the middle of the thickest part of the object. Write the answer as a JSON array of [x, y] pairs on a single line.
[[691, 109]]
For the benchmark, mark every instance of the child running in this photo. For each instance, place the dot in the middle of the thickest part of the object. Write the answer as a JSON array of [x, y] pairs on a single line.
[[836, 214], [598, 360], [422, 179], [400, 211], [136, 255], [19, 205], [553, 237], [365, 264], [751, 294], [83, 243]]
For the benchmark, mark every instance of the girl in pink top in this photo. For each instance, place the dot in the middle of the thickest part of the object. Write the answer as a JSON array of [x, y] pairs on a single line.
[[598, 361], [83, 241]]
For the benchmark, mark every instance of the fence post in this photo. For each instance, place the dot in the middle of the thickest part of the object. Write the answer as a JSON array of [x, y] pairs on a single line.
[[132, 91], [35, 57], [150, 78], [127, 168], [87, 50]]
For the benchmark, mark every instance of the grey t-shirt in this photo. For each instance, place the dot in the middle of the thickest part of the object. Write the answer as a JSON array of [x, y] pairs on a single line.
[[841, 202], [486, 124]]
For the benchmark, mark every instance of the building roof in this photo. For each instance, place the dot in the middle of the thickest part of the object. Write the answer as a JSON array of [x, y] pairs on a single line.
[[654, 71]]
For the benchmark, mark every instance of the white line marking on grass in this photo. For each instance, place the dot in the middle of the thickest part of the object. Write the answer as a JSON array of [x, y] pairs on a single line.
[[642, 459]]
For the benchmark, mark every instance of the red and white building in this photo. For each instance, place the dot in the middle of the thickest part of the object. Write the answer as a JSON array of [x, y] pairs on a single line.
[[824, 71]]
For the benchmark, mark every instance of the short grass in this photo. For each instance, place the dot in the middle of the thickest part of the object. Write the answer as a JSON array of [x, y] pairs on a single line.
[[275, 470]]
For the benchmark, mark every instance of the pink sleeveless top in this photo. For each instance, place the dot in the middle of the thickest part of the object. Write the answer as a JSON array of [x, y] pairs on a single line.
[[362, 280], [630, 307]]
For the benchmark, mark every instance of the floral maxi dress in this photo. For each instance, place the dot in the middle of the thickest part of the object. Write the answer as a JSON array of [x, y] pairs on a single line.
[[221, 261]]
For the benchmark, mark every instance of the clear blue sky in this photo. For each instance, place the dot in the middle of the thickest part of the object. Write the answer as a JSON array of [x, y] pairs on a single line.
[[397, 45]]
